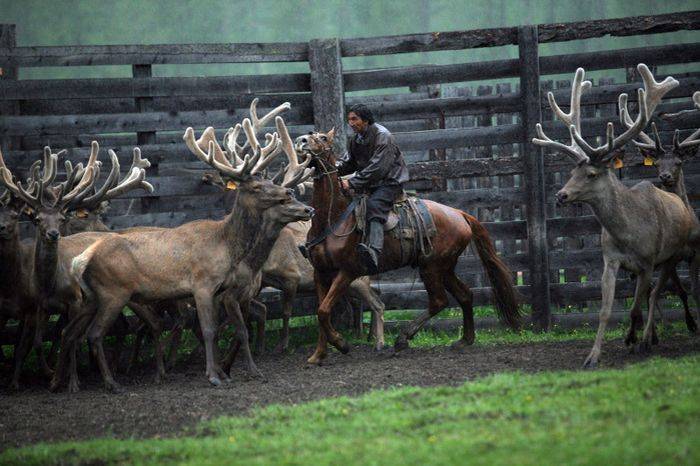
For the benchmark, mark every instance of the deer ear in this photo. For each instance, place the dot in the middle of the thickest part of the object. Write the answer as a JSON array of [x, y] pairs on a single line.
[[648, 153], [331, 134]]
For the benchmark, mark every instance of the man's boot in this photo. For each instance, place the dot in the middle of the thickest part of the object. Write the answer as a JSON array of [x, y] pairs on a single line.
[[370, 253]]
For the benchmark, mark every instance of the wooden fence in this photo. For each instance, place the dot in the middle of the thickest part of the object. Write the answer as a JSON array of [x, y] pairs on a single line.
[[468, 149]]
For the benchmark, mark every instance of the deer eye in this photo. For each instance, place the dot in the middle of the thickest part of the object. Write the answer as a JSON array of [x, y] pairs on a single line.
[[591, 175], [324, 139]]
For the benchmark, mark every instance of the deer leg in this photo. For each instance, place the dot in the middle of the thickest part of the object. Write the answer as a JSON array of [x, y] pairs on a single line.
[[649, 331], [136, 350], [42, 320], [320, 352], [437, 301], [207, 323], [464, 297], [70, 341], [641, 296], [260, 317], [3, 323], [53, 353], [608, 290], [689, 320], [335, 292], [21, 349], [105, 318], [694, 289], [233, 308], [288, 294], [155, 325]]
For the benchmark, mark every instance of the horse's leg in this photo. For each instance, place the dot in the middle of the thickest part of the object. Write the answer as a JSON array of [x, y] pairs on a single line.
[[464, 297], [433, 279], [322, 285], [337, 289], [364, 290]]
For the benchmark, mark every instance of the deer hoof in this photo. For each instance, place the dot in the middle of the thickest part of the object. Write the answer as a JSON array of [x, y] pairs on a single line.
[[401, 344], [73, 387], [281, 347], [590, 363], [115, 388], [215, 381], [644, 347], [316, 359]]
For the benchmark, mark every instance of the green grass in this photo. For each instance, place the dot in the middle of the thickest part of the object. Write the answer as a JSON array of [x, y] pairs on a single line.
[[646, 413]]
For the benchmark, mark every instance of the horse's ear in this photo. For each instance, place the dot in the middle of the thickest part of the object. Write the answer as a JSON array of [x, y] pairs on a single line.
[[331, 134]]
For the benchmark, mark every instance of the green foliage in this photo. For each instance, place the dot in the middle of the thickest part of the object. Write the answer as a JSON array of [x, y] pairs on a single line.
[[647, 413]]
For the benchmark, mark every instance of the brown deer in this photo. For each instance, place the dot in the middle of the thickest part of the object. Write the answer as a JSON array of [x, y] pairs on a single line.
[[48, 283], [642, 227], [287, 270], [669, 168], [204, 259]]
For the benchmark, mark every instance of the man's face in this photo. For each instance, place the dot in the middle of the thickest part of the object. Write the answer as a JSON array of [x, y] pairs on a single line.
[[357, 124]]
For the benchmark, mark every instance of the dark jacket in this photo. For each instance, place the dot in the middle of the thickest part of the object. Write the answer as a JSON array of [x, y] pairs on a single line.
[[375, 158]]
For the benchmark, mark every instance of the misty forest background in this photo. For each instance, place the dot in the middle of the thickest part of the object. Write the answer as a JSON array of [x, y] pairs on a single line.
[[117, 22]]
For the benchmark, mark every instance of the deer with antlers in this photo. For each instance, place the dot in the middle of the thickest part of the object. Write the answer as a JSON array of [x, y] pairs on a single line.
[[668, 163], [47, 282], [643, 227], [204, 259]]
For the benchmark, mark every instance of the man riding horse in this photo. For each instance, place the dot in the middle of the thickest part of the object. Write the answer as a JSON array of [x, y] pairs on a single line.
[[380, 172]]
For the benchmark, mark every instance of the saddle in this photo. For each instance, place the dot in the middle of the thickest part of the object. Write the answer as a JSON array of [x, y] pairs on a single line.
[[408, 221]]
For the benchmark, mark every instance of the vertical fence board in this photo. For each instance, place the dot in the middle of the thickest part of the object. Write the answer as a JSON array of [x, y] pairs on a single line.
[[534, 177], [327, 90], [8, 38]]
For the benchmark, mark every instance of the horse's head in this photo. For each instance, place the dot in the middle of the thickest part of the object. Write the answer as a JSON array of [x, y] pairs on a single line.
[[318, 146]]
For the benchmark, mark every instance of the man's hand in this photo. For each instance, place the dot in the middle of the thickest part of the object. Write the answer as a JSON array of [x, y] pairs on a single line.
[[345, 186]]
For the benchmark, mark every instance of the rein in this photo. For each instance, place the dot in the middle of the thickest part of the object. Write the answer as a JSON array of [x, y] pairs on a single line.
[[330, 229]]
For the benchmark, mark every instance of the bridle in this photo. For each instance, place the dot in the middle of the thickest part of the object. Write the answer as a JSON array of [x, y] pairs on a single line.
[[326, 170]]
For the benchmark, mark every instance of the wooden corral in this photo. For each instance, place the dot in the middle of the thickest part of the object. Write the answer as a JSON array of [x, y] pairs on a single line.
[[467, 146]]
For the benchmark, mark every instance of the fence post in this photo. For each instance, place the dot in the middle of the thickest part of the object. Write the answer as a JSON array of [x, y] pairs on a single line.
[[144, 104], [328, 97], [327, 90], [8, 38], [533, 165]]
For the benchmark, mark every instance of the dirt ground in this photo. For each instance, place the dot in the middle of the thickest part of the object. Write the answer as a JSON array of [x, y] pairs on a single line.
[[185, 398]]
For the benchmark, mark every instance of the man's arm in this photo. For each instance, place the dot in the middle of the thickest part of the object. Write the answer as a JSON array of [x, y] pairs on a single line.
[[346, 164], [379, 165]]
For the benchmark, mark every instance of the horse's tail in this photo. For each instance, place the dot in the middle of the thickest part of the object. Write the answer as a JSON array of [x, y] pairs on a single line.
[[500, 276]]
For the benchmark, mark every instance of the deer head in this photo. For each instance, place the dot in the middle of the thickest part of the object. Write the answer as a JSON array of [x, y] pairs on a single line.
[[10, 209], [245, 166], [48, 204], [667, 161], [593, 170]]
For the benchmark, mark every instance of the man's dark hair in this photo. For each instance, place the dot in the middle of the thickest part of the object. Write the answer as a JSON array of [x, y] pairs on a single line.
[[363, 112]]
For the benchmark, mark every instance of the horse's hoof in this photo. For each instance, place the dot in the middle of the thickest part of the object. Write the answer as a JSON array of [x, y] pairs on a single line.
[[400, 344], [316, 359], [460, 345], [215, 381]]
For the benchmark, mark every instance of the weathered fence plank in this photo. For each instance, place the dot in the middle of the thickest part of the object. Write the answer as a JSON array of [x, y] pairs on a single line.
[[327, 88]]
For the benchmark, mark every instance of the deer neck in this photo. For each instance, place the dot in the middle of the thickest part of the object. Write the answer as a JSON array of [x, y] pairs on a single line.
[[268, 232], [10, 264], [328, 202], [45, 263], [611, 206], [239, 230], [679, 190]]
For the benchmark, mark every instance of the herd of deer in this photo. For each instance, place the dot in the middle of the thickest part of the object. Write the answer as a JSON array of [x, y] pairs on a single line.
[[77, 268]]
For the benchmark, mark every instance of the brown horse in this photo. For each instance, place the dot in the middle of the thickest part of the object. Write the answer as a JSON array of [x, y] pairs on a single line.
[[337, 264]]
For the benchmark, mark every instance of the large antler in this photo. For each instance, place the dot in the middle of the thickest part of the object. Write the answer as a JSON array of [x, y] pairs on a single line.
[[648, 99], [571, 119], [693, 139], [34, 195], [233, 162], [112, 187], [295, 173]]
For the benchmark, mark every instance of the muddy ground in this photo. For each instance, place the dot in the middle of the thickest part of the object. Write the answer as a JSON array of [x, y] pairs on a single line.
[[185, 398]]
